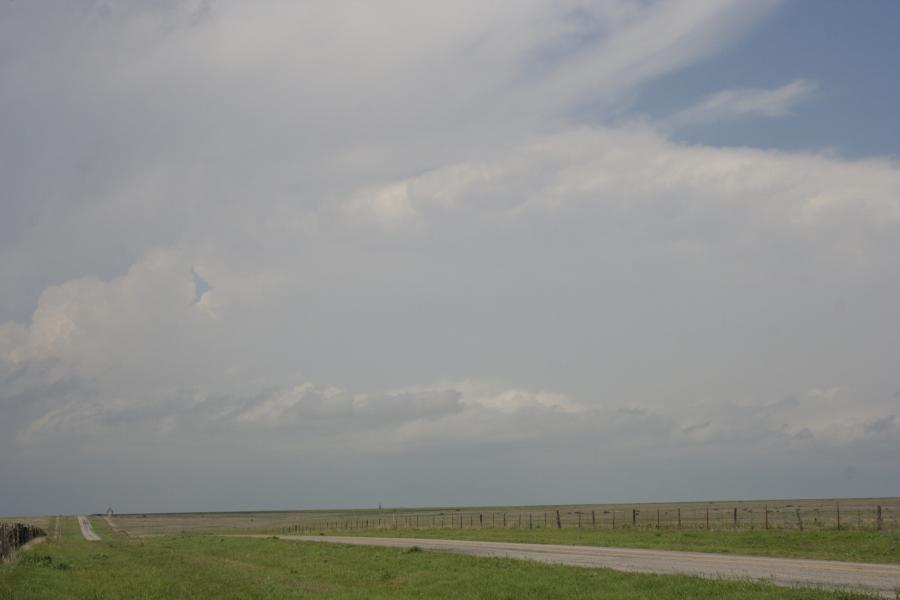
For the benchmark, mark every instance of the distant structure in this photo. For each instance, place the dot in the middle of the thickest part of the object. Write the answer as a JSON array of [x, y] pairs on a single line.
[[109, 512]]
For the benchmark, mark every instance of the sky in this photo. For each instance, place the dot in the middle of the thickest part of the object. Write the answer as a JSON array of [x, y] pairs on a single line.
[[278, 255]]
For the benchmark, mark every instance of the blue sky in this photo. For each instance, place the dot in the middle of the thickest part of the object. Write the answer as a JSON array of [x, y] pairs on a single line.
[[850, 50], [279, 255]]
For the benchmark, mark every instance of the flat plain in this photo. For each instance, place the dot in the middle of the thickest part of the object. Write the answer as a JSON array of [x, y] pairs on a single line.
[[207, 566], [198, 555]]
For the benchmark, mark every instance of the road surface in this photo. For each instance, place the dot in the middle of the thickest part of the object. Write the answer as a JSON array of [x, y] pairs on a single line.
[[882, 579], [87, 531]]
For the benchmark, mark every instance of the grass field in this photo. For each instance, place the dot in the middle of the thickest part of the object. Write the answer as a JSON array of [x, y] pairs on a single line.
[[209, 566]]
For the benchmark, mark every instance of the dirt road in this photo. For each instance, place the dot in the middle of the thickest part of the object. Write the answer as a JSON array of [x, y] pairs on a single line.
[[86, 530], [878, 578]]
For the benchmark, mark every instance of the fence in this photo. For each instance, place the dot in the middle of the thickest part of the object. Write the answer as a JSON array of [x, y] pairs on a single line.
[[788, 516], [13, 535]]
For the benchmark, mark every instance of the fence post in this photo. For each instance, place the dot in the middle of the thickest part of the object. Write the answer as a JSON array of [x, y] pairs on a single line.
[[657, 518], [593, 520], [614, 519], [766, 510], [799, 520], [558, 521], [837, 507], [679, 518], [481, 520], [707, 517], [633, 517], [878, 522], [735, 518]]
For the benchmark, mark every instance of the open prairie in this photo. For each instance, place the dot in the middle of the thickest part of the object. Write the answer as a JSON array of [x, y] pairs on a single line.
[[212, 565]]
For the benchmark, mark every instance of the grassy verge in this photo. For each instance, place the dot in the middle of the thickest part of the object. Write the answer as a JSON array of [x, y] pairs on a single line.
[[854, 546], [213, 567]]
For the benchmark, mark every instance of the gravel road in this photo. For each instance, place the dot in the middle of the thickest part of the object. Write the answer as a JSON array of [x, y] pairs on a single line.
[[873, 578], [86, 530]]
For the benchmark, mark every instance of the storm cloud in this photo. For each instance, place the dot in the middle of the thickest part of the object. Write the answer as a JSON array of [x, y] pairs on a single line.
[[274, 255]]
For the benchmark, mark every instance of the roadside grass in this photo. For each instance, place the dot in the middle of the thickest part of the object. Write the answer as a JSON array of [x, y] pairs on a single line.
[[193, 566], [852, 546]]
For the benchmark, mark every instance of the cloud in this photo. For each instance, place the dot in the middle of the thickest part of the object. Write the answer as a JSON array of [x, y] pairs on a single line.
[[623, 173], [200, 346], [329, 251], [743, 103]]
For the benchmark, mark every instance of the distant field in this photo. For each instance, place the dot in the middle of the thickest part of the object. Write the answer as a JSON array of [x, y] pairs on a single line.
[[823, 514], [210, 566], [42, 522]]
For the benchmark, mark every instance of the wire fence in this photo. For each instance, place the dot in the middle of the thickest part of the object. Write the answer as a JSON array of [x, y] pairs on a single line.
[[14, 535], [835, 517]]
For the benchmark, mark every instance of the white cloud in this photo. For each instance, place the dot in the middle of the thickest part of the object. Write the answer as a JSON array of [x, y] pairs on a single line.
[[625, 172], [745, 102]]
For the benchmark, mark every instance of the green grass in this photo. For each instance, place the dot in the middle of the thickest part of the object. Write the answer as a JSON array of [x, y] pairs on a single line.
[[854, 546], [193, 566]]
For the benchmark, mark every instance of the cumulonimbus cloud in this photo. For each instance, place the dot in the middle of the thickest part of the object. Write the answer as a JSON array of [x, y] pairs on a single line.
[[277, 233]]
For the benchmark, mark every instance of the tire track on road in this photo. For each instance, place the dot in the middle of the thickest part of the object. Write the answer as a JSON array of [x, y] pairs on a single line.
[[87, 530]]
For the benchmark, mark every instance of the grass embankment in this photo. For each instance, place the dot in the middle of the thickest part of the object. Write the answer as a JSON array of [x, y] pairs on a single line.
[[853, 546], [212, 567]]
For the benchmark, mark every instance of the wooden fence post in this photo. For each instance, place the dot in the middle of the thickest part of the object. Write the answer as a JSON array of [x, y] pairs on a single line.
[[766, 510], [707, 517], [593, 520], [837, 507], [633, 517], [799, 520], [679, 518], [558, 521], [878, 521], [735, 518], [657, 518]]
